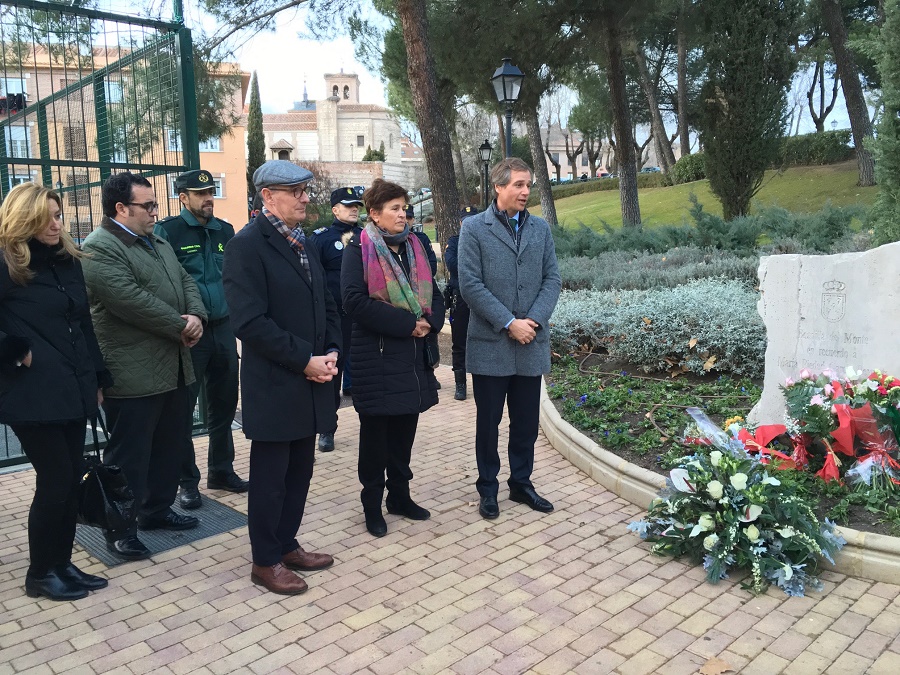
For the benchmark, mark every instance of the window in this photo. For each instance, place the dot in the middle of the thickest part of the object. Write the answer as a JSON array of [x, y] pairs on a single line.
[[334, 90], [220, 187], [211, 145], [391, 141], [18, 179], [18, 142], [113, 91], [555, 156], [584, 160], [360, 141], [284, 154], [346, 92], [173, 140], [79, 196], [13, 85], [74, 143]]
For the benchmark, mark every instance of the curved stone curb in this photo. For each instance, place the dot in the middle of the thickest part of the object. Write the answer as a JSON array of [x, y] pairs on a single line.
[[868, 555]]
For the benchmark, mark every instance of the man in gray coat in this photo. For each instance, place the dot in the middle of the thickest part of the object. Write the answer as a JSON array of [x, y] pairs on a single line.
[[509, 278]]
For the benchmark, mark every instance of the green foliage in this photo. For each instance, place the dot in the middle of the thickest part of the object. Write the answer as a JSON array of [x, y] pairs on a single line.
[[690, 168], [828, 147], [374, 155], [885, 215], [739, 234], [640, 270], [706, 325], [818, 232], [750, 66], [520, 149], [256, 139]]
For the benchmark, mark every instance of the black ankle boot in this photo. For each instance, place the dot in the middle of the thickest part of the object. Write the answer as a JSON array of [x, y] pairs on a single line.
[[375, 522], [407, 507], [460, 394], [52, 585]]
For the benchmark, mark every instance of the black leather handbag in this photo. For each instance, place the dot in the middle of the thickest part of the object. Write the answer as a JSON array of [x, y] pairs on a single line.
[[105, 500], [432, 351]]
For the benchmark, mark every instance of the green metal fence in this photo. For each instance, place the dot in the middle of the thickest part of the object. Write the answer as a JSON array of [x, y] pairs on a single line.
[[85, 94]]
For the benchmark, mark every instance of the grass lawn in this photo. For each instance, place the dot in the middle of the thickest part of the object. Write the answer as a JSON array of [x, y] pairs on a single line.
[[802, 189]]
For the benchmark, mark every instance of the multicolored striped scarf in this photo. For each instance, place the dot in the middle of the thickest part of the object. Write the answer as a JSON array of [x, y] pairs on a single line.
[[386, 279]]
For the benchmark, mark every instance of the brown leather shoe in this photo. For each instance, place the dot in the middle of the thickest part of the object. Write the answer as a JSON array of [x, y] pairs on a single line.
[[301, 560], [278, 579]]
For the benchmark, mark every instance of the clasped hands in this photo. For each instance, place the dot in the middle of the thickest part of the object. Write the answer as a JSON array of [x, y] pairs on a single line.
[[523, 331], [193, 331], [422, 328], [321, 369]]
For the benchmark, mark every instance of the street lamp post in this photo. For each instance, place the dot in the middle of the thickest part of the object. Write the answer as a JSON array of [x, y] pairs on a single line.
[[833, 125], [507, 81], [485, 152]]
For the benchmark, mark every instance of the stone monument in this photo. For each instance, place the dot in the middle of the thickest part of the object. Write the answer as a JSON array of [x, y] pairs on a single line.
[[827, 312]]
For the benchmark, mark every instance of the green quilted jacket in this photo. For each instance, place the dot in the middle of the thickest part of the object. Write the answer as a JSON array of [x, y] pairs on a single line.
[[137, 297]]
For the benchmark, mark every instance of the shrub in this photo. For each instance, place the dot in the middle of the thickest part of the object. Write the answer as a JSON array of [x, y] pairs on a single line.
[[827, 147], [816, 232], [637, 270], [707, 325], [738, 234], [689, 168]]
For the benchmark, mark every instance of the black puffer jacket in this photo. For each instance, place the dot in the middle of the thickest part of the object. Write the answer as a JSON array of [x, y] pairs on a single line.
[[389, 372], [50, 316]]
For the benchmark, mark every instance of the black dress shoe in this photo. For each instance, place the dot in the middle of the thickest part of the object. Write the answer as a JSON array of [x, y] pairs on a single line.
[[407, 507], [170, 521], [128, 547], [79, 578], [488, 508], [52, 585], [375, 523], [527, 495], [326, 442], [189, 498], [227, 481]]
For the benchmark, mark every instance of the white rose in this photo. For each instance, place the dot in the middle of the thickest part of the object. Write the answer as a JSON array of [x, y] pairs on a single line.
[[710, 542], [715, 489], [739, 481], [715, 457], [752, 533]]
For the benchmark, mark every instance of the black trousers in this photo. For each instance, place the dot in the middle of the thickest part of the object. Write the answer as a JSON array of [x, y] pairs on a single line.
[[146, 439], [385, 446], [343, 364], [522, 396], [56, 453], [216, 366], [459, 327], [280, 473]]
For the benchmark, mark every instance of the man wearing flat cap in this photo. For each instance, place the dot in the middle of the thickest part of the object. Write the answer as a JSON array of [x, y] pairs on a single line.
[[331, 243], [290, 336], [199, 239]]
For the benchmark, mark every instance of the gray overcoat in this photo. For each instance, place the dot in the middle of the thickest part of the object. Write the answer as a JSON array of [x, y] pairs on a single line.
[[500, 282]]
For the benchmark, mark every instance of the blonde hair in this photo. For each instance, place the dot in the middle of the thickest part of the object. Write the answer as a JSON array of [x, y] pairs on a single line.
[[23, 215]]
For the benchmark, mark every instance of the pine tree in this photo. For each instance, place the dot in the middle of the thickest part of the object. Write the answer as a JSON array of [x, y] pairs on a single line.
[[886, 212], [256, 140]]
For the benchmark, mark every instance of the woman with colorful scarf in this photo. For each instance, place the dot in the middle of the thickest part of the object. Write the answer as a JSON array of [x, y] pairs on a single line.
[[388, 290]]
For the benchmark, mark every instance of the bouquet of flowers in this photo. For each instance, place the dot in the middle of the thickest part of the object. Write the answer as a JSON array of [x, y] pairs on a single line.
[[724, 508]]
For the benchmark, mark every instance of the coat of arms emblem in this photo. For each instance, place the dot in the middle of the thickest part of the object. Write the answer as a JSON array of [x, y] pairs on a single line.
[[834, 300]]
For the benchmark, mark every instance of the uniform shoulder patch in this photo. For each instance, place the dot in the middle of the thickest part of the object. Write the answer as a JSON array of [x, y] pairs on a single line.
[[320, 230]]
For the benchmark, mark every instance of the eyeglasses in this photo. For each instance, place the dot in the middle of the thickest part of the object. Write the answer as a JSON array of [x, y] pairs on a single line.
[[297, 191], [149, 207]]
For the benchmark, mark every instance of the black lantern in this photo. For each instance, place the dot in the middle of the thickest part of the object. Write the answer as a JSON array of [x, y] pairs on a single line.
[[507, 81], [485, 151]]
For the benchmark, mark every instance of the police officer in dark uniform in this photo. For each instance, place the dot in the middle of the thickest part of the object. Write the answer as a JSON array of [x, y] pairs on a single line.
[[199, 239], [459, 310], [331, 242], [416, 228]]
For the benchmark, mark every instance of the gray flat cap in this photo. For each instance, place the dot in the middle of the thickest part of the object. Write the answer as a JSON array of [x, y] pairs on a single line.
[[280, 172]]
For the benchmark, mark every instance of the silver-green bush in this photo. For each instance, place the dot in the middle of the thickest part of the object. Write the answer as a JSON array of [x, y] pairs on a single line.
[[707, 325]]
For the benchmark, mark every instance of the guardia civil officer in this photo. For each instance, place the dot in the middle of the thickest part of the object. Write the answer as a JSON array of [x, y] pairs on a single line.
[[331, 243], [459, 310], [199, 239]]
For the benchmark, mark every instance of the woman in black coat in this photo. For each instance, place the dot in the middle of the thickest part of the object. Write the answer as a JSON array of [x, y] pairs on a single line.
[[50, 366], [388, 291]]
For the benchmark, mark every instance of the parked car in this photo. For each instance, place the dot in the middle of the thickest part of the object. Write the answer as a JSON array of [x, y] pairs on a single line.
[[651, 169]]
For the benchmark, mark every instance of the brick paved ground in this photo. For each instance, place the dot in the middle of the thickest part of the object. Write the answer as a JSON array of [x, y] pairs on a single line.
[[567, 592]]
